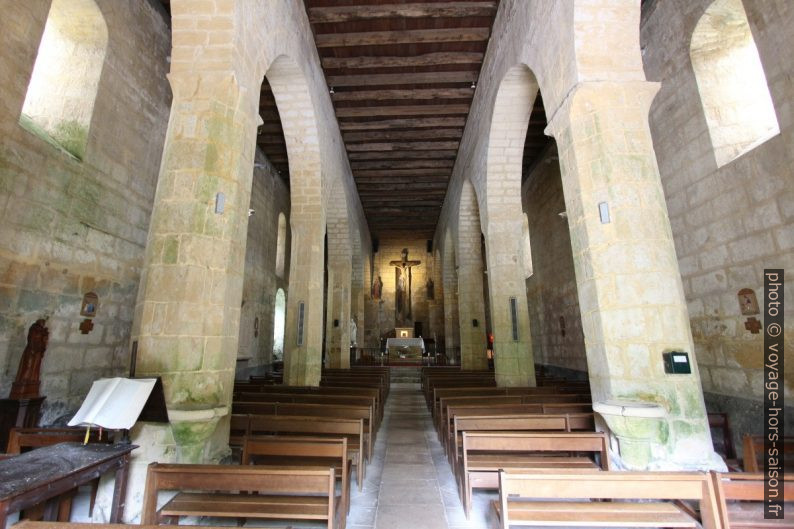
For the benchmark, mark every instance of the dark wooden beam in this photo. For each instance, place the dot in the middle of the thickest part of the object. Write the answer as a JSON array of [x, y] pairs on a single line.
[[441, 173], [382, 95], [412, 36], [403, 110], [418, 181], [428, 59], [403, 146], [410, 135], [402, 78], [322, 15], [404, 155], [408, 123], [409, 164]]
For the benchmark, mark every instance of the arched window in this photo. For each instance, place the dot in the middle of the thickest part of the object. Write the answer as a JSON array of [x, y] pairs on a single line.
[[526, 250], [279, 317], [731, 80], [281, 243], [62, 90]]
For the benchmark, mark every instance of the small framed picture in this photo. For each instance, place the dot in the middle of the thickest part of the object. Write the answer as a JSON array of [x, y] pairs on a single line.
[[90, 305]]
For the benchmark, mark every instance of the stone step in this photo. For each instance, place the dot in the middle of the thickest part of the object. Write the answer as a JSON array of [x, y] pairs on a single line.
[[404, 374]]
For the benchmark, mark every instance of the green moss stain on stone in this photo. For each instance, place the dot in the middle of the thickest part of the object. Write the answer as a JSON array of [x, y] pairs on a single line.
[[72, 136], [170, 250], [191, 438]]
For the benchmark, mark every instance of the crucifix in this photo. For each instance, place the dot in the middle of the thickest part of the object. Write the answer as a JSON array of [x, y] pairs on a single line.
[[402, 276]]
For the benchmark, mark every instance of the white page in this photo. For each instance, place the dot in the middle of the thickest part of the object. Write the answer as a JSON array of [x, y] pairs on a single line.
[[114, 403]]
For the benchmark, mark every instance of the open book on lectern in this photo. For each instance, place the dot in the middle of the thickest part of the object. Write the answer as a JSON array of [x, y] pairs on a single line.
[[117, 403]]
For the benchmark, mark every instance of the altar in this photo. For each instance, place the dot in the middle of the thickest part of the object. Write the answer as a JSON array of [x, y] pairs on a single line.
[[405, 347]]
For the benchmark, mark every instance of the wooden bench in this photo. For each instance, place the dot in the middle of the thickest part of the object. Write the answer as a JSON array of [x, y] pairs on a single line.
[[302, 451], [740, 498], [523, 499], [312, 390], [292, 493], [527, 422], [485, 453], [341, 400], [753, 448], [352, 429], [314, 410]]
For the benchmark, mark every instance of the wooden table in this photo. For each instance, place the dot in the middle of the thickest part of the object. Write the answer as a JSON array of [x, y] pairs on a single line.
[[45, 473]]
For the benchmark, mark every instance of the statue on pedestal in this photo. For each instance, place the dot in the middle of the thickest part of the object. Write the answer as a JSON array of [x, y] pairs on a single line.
[[403, 289], [26, 384]]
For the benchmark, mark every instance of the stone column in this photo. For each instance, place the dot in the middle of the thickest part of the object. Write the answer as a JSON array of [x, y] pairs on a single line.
[[630, 292], [188, 309], [303, 354], [471, 307], [451, 326], [514, 362], [337, 327]]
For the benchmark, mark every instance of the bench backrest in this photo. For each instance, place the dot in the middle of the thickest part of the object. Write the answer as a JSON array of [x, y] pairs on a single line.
[[595, 442], [291, 446], [278, 424], [612, 485], [228, 478]]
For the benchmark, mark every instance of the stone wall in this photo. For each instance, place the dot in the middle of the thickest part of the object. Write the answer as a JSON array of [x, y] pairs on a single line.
[[74, 226], [269, 198], [381, 314], [731, 222], [556, 324]]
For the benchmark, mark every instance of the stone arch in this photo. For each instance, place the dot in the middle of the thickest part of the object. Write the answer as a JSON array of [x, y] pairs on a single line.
[[63, 87], [471, 302], [450, 281], [302, 354], [734, 93], [506, 224]]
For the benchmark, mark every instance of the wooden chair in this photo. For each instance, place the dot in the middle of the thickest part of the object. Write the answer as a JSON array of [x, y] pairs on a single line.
[[523, 499], [292, 493]]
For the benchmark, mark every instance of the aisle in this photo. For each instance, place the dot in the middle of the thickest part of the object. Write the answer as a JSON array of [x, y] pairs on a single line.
[[409, 483]]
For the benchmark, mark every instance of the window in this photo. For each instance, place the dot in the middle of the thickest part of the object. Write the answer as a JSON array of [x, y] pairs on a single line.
[[281, 245], [279, 318], [526, 250], [62, 90], [731, 81]]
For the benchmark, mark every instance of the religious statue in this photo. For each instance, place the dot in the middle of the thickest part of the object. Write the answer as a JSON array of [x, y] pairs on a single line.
[[402, 279], [26, 385], [353, 331], [377, 288], [431, 289]]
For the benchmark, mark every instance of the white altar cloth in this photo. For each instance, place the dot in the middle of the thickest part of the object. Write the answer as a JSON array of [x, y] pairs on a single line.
[[400, 344]]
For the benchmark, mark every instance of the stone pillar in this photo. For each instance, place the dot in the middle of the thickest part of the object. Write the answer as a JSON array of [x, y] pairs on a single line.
[[471, 306], [188, 308], [451, 326], [337, 327], [303, 354], [514, 361], [630, 292]]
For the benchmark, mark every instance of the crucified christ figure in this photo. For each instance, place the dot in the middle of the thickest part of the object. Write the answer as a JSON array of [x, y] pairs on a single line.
[[403, 288]]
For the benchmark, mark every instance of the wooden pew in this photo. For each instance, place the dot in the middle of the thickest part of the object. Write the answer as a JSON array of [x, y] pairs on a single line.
[[485, 453], [740, 498], [352, 429], [293, 493], [754, 449], [580, 488], [312, 390], [302, 451], [313, 410], [335, 400], [552, 394]]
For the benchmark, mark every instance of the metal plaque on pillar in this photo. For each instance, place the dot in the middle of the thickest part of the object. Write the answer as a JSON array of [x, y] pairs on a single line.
[[514, 318], [301, 311]]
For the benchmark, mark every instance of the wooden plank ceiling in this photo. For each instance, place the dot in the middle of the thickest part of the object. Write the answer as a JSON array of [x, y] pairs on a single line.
[[402, 77]]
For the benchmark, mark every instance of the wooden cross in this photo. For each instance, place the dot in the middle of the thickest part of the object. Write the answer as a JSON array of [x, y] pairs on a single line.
[[752, 325], [86, 326]]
